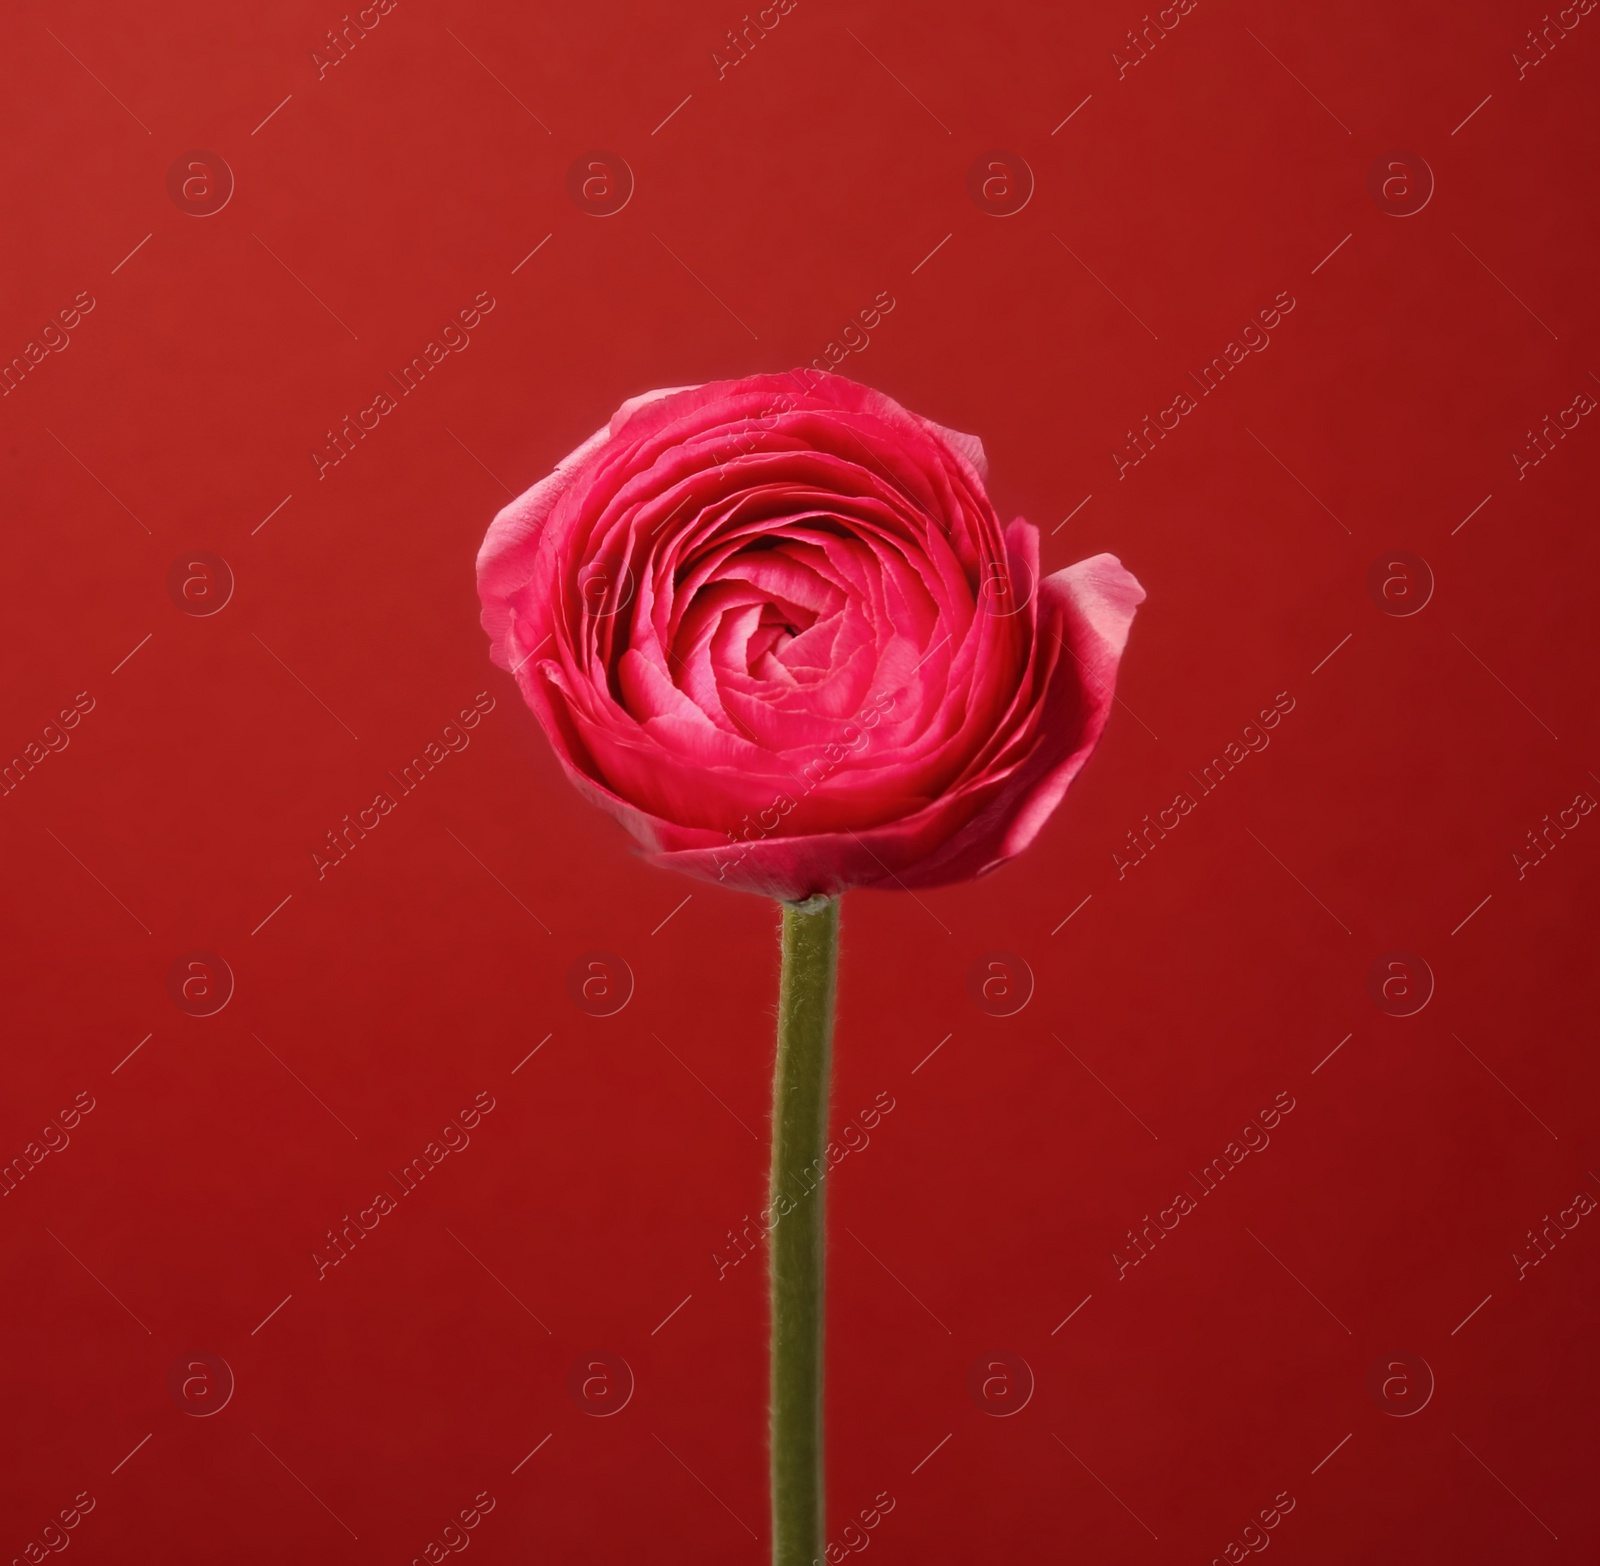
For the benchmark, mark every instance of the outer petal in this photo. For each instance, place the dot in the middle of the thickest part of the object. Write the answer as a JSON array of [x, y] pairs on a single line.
[[1088, 608], [969, 446], [511, 544]]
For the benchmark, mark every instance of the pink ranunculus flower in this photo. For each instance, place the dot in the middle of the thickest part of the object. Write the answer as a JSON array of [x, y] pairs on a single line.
[[775, 627]]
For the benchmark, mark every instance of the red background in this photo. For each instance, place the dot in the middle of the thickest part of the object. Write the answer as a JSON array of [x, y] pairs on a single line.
[[1178, 1000]]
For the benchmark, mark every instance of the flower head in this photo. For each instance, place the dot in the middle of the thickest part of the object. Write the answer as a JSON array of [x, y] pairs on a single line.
[[775, 627]]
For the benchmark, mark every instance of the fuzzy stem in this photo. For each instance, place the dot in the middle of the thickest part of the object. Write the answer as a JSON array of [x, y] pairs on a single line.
[[799, 1169]]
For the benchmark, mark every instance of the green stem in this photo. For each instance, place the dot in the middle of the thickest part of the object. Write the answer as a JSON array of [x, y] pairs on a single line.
[[799, 1168]]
